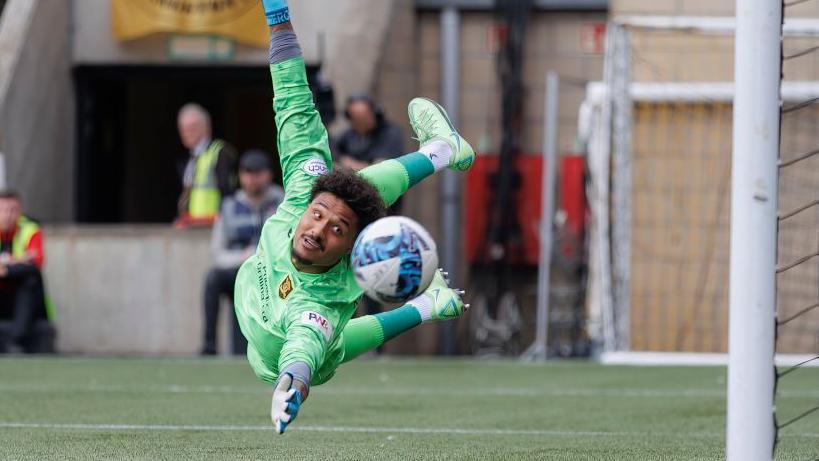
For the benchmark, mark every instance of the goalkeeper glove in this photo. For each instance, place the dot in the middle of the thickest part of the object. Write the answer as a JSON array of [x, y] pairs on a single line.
[[286, 403]]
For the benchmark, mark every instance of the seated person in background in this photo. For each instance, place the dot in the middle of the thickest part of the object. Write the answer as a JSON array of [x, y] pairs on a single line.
[[22, 296], [235, 236], [209, 174], [371, 138]]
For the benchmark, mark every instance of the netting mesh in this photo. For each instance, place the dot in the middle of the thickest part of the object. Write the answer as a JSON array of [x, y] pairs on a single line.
[[665, 109], [675, 221], [659, 55], [797, 278], [680, 202], [798, 286]]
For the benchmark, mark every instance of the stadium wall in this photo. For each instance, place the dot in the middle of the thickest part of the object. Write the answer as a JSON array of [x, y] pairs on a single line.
[[128, 289], [93, 42], [137, 290], [37, 106]]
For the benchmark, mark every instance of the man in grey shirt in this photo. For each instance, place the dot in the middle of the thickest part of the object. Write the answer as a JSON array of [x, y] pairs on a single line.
[[235, 235]]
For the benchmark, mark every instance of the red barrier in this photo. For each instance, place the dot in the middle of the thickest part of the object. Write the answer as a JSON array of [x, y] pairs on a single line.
[[527, 201]]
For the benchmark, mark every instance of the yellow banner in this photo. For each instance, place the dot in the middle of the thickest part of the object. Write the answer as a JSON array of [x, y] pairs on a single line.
[[241, 20]]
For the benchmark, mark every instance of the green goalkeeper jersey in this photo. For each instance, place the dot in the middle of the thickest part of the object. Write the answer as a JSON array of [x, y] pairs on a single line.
[[287, 315]]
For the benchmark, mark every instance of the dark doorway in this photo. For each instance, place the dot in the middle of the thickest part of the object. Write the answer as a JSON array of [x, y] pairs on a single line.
[[129, 157]]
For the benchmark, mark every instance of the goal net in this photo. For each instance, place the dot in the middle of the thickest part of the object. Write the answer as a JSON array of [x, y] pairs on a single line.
[[658, 135]]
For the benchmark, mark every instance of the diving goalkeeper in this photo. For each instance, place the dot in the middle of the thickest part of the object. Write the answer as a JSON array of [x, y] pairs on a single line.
[[295, 296]]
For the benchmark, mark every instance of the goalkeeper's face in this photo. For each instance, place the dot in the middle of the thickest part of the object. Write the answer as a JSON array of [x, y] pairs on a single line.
[[325, 234]]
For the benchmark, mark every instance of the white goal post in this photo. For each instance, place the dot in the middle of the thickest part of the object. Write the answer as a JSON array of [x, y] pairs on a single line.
[[750, 428]]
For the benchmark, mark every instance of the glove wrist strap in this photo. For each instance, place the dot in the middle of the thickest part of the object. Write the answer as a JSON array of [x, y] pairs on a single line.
[[299, 371]]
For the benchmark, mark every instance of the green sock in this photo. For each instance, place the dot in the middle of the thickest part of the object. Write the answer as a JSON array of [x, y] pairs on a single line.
[[366, 333], [394, 177]]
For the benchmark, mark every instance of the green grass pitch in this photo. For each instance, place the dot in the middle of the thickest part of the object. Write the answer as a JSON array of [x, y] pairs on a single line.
[[87, 408]]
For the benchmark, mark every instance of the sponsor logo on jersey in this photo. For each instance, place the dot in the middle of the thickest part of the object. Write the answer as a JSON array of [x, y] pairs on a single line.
[[315, 167], [264, 290], [316, 319], [286, 287]]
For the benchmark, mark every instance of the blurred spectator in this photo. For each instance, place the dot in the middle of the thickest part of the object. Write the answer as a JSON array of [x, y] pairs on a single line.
[[22, 297], [209, 174], [371, 137], [235, 236]]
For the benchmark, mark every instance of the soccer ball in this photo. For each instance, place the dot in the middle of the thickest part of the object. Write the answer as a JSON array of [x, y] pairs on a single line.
[[394, 259]]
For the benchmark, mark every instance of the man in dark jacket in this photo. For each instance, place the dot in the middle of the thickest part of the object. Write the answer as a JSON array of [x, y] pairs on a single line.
[[235, 236], [370, 138]]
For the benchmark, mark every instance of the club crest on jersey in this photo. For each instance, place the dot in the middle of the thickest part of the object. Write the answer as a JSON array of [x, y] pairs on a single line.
[[286, 287], [315, 167], [316, 319]]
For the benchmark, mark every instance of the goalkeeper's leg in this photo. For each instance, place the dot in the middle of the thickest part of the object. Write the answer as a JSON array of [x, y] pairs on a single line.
[[441, 147], [438, 302]]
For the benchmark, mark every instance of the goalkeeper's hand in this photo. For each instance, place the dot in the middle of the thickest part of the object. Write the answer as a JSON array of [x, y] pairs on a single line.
[[286, 403]]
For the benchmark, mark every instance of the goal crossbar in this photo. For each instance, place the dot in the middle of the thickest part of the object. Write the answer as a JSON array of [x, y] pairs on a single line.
[[796, 91], [717, 25]]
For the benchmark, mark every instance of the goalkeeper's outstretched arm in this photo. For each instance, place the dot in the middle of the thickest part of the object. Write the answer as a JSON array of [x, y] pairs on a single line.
[[301, 137]]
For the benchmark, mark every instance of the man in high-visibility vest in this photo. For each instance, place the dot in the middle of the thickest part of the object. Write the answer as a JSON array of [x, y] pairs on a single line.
[[210, 173], [22, 296]]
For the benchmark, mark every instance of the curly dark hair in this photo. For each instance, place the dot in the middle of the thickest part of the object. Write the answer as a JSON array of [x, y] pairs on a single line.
[[361, 196]]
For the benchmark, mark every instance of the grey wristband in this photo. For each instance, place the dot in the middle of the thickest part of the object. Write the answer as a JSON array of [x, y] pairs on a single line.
[[284, 45], [300, 372]]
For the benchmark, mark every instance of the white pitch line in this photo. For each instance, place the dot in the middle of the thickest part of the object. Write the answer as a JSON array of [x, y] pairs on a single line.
[[343, 429], [366, 430], [405, 392]]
